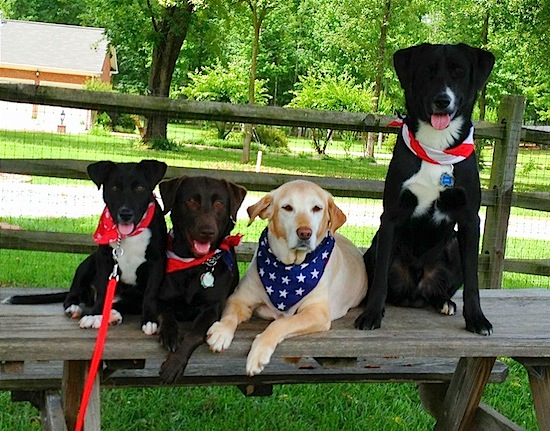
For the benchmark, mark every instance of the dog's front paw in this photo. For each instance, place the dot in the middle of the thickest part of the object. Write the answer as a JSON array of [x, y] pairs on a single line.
[[448, 308], [258, 357], [94, 321], [219, 337], [73, 311], [479, 325], [369, 319], [169, 337], [150, 328], [172, 369]]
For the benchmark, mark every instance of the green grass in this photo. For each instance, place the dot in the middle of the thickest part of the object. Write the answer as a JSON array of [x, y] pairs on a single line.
[[320, 407]]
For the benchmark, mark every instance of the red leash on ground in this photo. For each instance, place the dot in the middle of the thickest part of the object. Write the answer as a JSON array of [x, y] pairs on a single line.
[[100, 341]]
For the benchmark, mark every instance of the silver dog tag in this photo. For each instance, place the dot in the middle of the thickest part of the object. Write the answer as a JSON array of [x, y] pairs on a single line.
[[207, 280]]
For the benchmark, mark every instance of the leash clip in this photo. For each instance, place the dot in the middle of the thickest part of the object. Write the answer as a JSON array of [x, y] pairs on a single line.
[[117, 253]]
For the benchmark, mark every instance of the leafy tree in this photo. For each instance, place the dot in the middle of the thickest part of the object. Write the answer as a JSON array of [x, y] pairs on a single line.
[[223, 84], [331, 93]]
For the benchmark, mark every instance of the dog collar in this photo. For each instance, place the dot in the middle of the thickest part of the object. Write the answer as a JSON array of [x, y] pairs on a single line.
[[286, 285], [107, 231], [450, 156], [176, 263]]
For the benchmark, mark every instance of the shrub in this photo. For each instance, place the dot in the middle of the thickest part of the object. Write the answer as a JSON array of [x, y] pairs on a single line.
[[272, 137]]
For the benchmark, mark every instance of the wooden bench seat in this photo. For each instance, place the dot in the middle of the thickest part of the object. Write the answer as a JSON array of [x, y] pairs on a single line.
[[42, 351]]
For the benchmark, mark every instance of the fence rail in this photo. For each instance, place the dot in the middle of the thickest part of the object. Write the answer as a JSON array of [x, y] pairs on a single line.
[[498, 198]]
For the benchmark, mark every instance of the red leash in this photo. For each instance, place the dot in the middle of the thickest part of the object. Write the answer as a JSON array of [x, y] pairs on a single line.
[[100, 341]]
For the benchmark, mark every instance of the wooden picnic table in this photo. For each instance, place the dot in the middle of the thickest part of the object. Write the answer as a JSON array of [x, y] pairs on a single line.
[[39, 344]]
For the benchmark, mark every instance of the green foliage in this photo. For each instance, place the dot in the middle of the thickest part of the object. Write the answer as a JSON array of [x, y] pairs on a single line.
[[332, 93], [163, 144], [272, 137], [223, 84]]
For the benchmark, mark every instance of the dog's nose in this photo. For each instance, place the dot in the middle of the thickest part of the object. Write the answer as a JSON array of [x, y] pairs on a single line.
[[304, 233], [442, 102], [125, 214], [207, 232]]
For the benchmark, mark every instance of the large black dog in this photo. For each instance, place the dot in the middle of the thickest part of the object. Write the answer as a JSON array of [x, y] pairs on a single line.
[[202, 269], [134, 220], [427, 243]]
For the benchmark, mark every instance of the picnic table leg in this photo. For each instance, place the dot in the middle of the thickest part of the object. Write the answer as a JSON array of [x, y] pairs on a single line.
[[74, 377], [464, 393], [539, 380]]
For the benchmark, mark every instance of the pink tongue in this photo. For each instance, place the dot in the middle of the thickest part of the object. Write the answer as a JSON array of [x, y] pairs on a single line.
[[201, 248], [126, 228], [441, 121]]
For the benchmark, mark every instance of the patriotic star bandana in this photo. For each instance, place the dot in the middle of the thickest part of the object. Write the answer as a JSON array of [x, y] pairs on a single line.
[[286, 285], [450, 156], [107, 231], [176, 263]]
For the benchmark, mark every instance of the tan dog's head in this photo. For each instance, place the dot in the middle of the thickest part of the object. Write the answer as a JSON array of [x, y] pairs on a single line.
[[300, 213]]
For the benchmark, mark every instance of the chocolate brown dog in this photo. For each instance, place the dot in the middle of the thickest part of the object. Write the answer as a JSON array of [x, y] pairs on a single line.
[[202, 268]]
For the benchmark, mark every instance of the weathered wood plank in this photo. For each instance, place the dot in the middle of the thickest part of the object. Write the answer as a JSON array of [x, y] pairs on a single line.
[[503, 171], [52, 413], [464, 394], [519, 318], [211, 111], [539, 380], [213, 370]]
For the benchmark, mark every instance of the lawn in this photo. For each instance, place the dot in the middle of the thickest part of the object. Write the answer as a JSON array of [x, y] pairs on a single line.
[[320, 407]]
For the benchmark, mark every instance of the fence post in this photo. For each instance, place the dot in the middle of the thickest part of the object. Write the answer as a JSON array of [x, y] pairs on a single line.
[[503, 171]]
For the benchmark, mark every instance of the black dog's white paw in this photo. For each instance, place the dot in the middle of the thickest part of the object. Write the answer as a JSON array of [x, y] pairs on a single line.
[[448, 308], [94, 321], [73, 311]]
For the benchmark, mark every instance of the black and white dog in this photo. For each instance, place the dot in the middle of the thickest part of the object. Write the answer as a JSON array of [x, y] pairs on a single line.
[[134, 221], [427, 244]]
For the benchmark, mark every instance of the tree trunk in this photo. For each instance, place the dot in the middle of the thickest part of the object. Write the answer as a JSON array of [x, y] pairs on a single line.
[[369, 147], [257, 20], [171, 31], [483, 94]]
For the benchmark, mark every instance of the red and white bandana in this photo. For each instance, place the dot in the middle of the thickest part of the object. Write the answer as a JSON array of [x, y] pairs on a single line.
[[450, 156], [176, 263], [107, 230]]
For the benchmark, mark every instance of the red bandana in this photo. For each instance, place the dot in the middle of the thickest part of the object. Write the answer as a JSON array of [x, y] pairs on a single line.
[[449, 156], [176, 263], [107, 231]]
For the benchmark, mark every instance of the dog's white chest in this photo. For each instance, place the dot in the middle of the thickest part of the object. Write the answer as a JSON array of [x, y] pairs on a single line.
[[426, 185], [133, 255]]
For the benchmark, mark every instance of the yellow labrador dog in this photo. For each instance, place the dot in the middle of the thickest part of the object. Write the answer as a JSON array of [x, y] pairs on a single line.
[[303, 274]]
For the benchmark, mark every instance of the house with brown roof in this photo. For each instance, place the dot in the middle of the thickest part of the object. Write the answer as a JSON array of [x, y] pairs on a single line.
[[55, 55]]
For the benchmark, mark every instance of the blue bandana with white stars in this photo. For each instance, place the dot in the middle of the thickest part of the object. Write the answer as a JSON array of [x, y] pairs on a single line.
[[287, 285]]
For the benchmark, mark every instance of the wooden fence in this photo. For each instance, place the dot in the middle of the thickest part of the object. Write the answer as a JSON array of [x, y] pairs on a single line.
[[499, 197]]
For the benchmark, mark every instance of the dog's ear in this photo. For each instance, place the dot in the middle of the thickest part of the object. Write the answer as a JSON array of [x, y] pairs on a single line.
[[168, 191], [483, 62], [99, 171], [402, 63], [337, 216], [236, 198], [154, 171], [262, 208]]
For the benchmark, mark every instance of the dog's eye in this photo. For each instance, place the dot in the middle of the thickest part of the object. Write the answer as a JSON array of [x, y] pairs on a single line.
[[114, 188], [193, 203], [140, 189], [316, 209], [288, 208], [218, 205], [457, 72]]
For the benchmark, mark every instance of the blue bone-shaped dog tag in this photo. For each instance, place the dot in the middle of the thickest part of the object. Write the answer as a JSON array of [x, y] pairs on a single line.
[[447, 180]]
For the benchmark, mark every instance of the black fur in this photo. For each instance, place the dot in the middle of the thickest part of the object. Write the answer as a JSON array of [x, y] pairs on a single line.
[[127, 192], [414, 260], [202, 209]]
